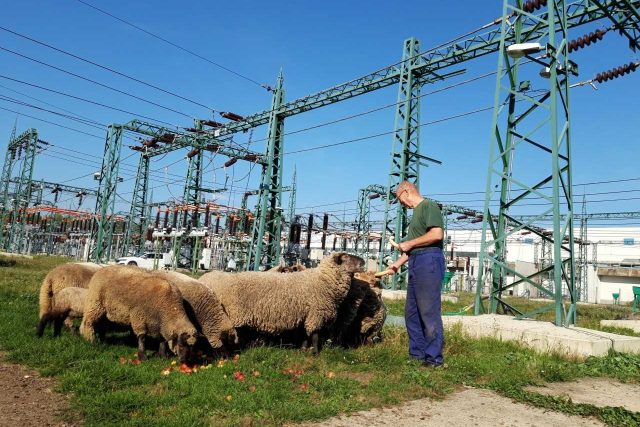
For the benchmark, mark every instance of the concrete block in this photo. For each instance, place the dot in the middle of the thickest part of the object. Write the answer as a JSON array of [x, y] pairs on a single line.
[[619, 343], [629, 324], [544, 336]]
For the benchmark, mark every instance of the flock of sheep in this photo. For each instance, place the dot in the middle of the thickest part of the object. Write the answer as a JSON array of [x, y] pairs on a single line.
[[219, 312]]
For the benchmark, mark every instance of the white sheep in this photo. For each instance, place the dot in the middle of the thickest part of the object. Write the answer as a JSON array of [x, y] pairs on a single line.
[[274, 303]]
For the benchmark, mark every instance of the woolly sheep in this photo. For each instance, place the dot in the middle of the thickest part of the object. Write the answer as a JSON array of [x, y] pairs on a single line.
[[150, 304], [287, 268], [368, 323], [71, 275], [66, 305], [204, 309], [273, 303]]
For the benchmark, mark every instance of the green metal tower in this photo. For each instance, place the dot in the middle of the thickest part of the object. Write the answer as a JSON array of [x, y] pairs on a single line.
[[530, 126], [22, 147], [138, 220], [102, 230], [265, 238], [405, 154], [363, 224]]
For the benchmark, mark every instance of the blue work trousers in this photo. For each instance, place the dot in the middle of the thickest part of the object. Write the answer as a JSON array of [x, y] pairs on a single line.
[[422, 311]]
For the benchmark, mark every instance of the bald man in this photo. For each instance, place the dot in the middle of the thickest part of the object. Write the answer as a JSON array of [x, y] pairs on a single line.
[[422, 247]]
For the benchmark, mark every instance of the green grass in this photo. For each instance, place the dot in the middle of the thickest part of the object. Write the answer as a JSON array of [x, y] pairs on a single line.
[[106, 392]]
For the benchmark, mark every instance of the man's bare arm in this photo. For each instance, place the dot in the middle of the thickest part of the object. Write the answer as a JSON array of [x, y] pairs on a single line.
[[433, 235]]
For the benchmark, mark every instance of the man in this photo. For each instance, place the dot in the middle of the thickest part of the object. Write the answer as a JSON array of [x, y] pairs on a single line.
[[422, 247]]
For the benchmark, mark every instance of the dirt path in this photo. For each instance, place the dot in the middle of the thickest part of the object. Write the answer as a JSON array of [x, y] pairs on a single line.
[[596, 391], [28, 399], [470, 407]]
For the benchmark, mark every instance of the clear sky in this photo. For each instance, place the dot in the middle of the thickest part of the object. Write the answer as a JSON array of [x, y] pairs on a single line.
[[317, 45]]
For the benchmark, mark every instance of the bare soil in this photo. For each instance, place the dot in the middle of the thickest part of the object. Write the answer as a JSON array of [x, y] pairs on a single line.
[[27, 399], [470, 407], [596, 391]]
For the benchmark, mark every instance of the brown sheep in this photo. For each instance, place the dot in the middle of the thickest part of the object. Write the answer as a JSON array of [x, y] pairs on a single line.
[[71, 275], [151, 305], [368, 323], [204, 310], [66, 305]]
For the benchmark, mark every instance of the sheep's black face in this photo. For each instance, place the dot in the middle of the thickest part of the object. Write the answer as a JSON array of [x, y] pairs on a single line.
[[350, 263], [184, 346]]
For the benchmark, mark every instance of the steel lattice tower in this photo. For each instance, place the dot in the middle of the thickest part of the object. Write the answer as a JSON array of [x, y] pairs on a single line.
[[265, 236], [138, 220], [405, 164], [531, 125]]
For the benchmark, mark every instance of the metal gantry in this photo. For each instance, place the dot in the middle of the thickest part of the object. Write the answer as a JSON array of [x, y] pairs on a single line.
[[413, 72], [138, 220]]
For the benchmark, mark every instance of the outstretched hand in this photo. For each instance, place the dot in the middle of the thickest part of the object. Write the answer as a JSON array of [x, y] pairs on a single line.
[[387, 272]]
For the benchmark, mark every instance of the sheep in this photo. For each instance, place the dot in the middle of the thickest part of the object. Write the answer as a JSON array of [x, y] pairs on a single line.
[[150, 304], [204, 310], [76, 275], [368, 323], [274, 303], [66, 305], [287, 268]]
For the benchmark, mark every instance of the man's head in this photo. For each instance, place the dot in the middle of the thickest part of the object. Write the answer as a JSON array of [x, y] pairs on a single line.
[[407, 194]]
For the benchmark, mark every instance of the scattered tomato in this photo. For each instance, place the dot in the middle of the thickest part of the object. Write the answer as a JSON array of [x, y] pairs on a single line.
[[256, 374], [304, 387], [122, 360], [239, 376], [135, 362], [330, 374], [252, 389], [228, 398]]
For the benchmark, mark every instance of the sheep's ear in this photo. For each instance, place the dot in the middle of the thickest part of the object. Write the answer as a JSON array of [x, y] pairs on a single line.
[[337, 258]]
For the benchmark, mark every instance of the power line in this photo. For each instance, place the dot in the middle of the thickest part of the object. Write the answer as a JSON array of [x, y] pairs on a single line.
[[97, 83], [177, 46], [105, 68], [83, 99], [350, 141], [51, 123]]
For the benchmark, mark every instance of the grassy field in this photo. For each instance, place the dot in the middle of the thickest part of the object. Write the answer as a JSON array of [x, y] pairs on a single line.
[[276, 385]]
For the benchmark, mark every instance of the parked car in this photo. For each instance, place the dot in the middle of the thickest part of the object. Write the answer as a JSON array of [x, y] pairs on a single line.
[[146, 260]]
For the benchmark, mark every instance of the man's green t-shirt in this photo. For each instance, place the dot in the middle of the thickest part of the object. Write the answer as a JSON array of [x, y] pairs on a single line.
[[425, 216]]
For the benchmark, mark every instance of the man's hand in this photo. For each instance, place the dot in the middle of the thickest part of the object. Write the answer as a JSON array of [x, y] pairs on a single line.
[[393, 269], [404, 247]]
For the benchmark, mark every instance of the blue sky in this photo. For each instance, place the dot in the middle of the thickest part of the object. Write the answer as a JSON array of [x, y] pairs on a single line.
[[317, 45]]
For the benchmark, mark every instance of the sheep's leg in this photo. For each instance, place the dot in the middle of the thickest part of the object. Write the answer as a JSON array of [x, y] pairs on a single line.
[[68, 322], [163, 349], [91, 318], [57, 326], [314, 343], [141, 355], [42, 325]]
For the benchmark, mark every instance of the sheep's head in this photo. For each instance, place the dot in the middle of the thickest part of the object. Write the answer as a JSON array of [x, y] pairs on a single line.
[[370, 278], [181, 344], [350, 263]]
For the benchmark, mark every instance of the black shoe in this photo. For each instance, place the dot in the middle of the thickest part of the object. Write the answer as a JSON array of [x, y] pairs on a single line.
[[431, 365]]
